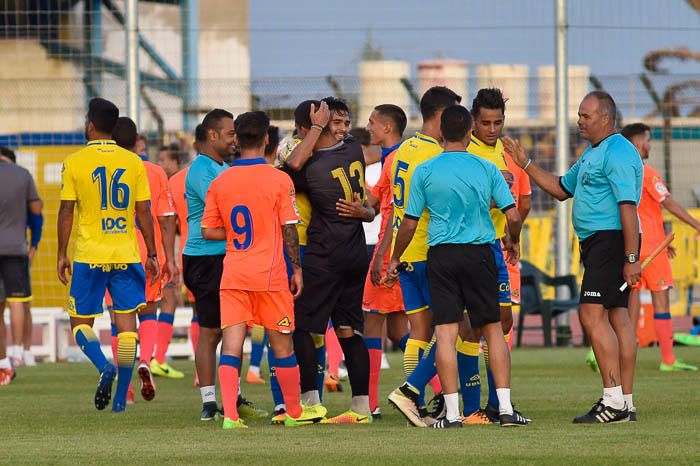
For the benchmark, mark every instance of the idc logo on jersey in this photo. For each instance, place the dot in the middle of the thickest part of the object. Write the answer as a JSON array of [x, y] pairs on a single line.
[[114, 225]]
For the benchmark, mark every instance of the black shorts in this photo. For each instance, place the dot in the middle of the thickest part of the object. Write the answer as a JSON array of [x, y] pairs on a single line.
[[463, 276], [202, 276], [14, 274], [331, 292], [603, 258]]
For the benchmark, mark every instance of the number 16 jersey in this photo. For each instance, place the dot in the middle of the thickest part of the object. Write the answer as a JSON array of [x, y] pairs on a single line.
[[106, 181], [252, 201]]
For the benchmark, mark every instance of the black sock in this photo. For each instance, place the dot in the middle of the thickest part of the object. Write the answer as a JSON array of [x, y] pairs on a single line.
[[306, 358], [357, 361]]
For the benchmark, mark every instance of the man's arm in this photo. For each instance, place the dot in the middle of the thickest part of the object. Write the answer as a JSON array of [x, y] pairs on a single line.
[[167, 229], [64, 226], [355, 209], [630, 231], [214, 234], [524, 206], [403, 239], [303, 152], [143, 214], [679, 212], [35, 222], [548, 182], [291, 246], [377, 265]]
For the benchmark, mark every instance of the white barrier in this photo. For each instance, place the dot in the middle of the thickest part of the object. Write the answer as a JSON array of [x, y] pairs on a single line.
[[57, 343]]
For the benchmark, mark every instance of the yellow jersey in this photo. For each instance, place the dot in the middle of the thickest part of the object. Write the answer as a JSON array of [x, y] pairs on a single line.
[[495, 155], [106, 181], [286, 147], [411, 153]]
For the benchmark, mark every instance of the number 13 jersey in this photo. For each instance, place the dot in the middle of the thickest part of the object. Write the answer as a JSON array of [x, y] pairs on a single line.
[[106, 181], [333, 173], [252, 201]]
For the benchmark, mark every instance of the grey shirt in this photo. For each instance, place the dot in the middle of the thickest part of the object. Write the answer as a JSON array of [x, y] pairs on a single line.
[[17, 189]]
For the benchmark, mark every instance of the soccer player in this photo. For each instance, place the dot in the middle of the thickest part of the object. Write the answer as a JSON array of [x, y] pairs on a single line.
[[19, 205], [109, 185], [606, 185], [254, 288], [488, 110], [457, 189], [21, 323], [414, 280], [170, 159], [163, 211], [383, 304], [176, 186], [657, 276], [202, 259], [309, 120], [335, 262]]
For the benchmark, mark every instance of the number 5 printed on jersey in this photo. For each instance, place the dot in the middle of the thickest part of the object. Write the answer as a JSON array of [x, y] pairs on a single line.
[[400, 183]]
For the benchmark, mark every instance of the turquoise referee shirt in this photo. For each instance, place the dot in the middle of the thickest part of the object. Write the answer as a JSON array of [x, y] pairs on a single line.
[[607, 174]]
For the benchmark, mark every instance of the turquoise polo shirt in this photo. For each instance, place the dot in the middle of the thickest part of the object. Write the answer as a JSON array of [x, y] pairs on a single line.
[[607, 175]]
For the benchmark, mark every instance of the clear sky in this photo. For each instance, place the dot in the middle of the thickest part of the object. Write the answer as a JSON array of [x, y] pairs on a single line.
[[316, 38]]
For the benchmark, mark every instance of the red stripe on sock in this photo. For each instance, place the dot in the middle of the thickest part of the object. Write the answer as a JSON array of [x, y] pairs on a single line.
[[436, 385], [228, 378], [375, 367], [148, 331], [165, 334], [115, 342], [334, 351], [664, 332], [288, 378], [194, 335]]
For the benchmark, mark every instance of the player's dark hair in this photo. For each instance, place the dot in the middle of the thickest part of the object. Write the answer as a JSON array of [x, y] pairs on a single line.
[[437, 98], [395, 114], [9, 153], [251, 129], [607, 104], [362, 135], [273, 139], [489, 97], [173, 150], [200, 134], [125, 133], [102, 114], [455, 123], [336, 105], [301, 113], [212, 120], [634, 129]]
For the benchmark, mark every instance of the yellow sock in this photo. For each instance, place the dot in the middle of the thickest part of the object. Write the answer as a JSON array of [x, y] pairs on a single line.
[[412, 354]]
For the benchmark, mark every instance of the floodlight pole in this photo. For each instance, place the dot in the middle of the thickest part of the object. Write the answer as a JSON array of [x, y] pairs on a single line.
[[132, 60], [562, 143]]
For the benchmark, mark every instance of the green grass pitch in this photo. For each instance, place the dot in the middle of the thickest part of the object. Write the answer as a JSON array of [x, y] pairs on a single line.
[[47, 416]]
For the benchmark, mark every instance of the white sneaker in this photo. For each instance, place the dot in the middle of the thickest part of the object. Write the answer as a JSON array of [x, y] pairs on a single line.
[[29, 359], [15, 354], [385, 362], [342, 372]]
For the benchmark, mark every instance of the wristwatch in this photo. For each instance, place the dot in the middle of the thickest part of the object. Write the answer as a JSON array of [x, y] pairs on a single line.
[[631, 258]]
